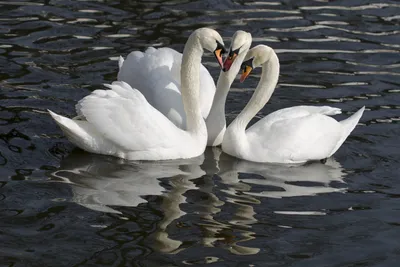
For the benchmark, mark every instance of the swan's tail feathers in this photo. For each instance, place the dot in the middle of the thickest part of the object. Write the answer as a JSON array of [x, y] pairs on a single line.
[[120, 62], [74, 131], [348, 126], [351, 122]]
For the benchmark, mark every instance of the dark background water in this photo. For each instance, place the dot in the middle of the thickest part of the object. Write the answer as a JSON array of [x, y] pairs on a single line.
[[64, 207]]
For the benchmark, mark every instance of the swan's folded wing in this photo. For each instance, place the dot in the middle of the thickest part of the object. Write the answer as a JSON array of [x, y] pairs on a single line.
[[150, 73], [302, 138], [146, 71], [292, 113], [176, 58], [123, 116], [324, 110], [263, 125]]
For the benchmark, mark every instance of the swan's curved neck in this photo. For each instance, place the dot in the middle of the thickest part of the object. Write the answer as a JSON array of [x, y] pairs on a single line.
[[216, 122], [190, 83], [263, 92]]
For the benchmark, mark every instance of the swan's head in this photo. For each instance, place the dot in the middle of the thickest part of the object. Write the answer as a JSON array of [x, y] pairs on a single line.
[[256, 57], [211, 40], [241, 42]]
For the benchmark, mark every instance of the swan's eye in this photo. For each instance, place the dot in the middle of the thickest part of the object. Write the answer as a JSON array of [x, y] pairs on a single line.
[[221, 47], [233, 54], [248, 63], [246, 69], [230, 59]]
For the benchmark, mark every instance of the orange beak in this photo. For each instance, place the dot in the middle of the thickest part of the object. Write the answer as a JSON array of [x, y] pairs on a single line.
[[218, 56], [245, 73], [229, 61]]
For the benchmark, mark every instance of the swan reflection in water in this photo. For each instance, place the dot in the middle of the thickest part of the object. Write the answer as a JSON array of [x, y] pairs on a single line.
[[101, 183], [283, 180]]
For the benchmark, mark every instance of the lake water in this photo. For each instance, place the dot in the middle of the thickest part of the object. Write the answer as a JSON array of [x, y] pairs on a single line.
[[60, 206]]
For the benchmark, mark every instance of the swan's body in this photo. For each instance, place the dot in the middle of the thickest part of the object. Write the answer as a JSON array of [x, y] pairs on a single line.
[[122, 123], [164, 63], [292, 135]]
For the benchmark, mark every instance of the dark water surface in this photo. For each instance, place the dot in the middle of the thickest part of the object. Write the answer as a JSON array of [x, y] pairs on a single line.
[[64, 207]]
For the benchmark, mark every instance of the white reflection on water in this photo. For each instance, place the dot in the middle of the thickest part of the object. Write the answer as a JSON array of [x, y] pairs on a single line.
[[288, 181], [100, 182]]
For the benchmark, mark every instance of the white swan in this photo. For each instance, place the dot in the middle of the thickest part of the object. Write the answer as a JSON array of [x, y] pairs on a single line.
[[165, 94], [120, 122], [291, 135]]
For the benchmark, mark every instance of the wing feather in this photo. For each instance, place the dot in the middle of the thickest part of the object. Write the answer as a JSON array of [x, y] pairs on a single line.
[[297, 138], [116, 114]]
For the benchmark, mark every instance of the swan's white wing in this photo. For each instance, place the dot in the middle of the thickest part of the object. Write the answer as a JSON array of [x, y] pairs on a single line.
[[296, 112], [123, 116], [295, 138], [150, 73], [156, 73], [176, 61], [324, 110]]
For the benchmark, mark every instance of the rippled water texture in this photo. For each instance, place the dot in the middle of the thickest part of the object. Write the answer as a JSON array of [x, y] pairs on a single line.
[[62, 207]]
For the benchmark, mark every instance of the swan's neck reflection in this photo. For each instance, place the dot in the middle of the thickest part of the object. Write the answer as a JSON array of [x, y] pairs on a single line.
[[103, 184], [172, 212]]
